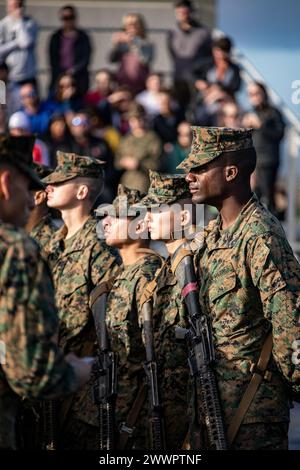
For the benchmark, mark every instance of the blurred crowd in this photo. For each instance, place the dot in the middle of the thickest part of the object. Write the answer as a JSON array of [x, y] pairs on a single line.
[[131, 116]]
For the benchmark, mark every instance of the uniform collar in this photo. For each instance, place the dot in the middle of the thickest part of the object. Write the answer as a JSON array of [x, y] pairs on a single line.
[[80, 237], [227, 238]]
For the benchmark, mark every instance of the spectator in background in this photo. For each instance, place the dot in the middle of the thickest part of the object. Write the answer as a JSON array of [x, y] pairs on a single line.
[[189, 44], [12, 99], [230, 116], [58, 137], [70, 50], [101, 128], [18, 34], [207, 104], [139, 151], [268, 126], [224, 72], [166, 122], [175, 153], [38, 113], [134, 53], [103, 87], [84, 143], [120, 101], [150, 98], [19, 125], [66, 99]]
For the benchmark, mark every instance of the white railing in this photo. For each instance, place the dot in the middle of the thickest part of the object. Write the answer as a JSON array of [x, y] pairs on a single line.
[[292, 137]]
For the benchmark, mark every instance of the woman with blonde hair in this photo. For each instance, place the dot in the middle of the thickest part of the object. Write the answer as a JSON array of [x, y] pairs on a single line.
[[134, 53]]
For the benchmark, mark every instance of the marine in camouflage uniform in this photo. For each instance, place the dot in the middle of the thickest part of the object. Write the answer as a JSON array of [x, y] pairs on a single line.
[[250, 285], [41, 225], [170, 312], [124, 318], [78, 264], [31, 364]]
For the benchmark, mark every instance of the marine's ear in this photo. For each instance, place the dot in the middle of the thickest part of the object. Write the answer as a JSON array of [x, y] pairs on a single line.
[[231, 172], [5, 184]]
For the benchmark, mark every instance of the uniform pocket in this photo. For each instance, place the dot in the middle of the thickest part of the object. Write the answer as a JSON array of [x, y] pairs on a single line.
[[222, 285]]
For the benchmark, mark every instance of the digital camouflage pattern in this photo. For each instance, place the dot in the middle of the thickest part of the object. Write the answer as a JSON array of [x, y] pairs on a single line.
[[249, 284], [165, 189], [125, 329], [172, 355], [42, 170], [18, 151], [70, 165], [78, 266], [33, 365], [122, 204], [44, 231], [209, 142]]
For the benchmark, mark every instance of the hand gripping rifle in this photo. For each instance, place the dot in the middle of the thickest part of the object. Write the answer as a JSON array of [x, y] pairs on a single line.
[[156, 421], [104, 371], [201, 356]]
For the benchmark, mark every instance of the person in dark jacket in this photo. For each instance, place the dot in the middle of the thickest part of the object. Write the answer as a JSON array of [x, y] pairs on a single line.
[[189, 44], [70, 50], [223, 72], [268, 126]]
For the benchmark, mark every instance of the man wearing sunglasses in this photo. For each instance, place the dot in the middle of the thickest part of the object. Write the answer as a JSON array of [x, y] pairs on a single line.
[[70, 49]]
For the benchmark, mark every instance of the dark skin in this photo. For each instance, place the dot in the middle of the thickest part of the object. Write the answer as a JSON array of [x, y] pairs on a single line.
[[222, 184]]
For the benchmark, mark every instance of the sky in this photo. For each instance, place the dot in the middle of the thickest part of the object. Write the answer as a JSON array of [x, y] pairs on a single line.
[[268, 33]]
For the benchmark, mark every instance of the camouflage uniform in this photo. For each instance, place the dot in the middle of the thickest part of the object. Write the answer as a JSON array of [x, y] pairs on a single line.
[[169, 313], [78, 266], [32, 367], [249, 285], [44, 231], [125, 325]]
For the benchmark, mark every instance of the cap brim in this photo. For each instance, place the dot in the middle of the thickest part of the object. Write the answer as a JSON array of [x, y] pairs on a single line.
[[148, 201], [196, 160], [57, 177]]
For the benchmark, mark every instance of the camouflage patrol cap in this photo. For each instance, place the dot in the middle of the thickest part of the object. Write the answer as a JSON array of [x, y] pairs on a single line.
[[165, 189], [210, 142], [42, 170], [122, 204], [18, 152], [70, 165]]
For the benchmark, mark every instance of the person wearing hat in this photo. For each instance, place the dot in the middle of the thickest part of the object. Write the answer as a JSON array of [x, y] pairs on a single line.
[[41, 225], [250, 286], [124, 310], [139, 151], [31, 365], [170, 219], [79, 261]]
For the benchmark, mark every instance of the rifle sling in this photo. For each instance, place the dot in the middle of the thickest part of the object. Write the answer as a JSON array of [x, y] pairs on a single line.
[[128, 427], [179, 257], [258, 374]]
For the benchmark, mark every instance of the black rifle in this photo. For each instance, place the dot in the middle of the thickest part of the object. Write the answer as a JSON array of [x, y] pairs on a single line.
[[201, 356], [105, 374], [156, 421], [49, 440]]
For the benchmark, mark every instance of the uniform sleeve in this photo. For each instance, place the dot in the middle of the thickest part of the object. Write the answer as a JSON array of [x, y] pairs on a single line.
[[33, 364], [276, 273]]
